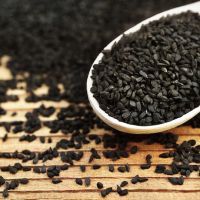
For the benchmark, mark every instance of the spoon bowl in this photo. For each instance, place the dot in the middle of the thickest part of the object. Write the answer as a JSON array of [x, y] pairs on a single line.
[[134, 129]]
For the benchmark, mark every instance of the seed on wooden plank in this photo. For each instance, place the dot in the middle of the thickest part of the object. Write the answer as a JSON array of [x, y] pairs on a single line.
[[2, 180], [5, 137], [176, 181], [24, 181], [187, 173], [127, 167], [148, 158], [106, 191], [18, 166], [145, 166], [5, 193], [168, 172], [122, 169], [99, 185], [192, 142], [134, 149], [56, 180], [134, 180], [111, 168], [49, 140], [42, 139], [36, 169], [123, 183], [43, 169], [79, 181], [87, 181], [142, 179], [164, 155], [13, 184], [13, 170], [121, 192], [96, 166], [64, 167], [160, 168], [83, 168], [26, 168]]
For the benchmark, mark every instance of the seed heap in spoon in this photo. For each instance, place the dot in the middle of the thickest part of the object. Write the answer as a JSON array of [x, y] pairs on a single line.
[[151, 76]]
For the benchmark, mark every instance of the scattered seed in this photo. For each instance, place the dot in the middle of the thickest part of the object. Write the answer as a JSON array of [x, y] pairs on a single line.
[[87, 181], [99, 185], [56, 180], [176, 181], [79, 181], [123, 183]]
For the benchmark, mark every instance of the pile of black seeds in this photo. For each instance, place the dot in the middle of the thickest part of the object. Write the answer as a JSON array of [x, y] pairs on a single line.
[[152, 76], [42, 41]]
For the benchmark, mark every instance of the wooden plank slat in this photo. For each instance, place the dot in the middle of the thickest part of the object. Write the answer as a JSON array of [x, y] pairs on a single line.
[[94, 195], [138, 158], [74, 171], [161, 184]]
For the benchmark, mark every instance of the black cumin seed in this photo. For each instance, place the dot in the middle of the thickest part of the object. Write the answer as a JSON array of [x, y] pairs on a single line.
[[5, 193], [99, 185], [79, 181], [123, 183], [43, 169], [111, 168], [168, 172], [87, 181], [42, 139], [2, 180], [176, 181], [36, 169], [134, 180], [164, 155], [96, 166], [122, 169], [139, 179], [13, 170], [64, 167], [106, 191], [24, 181], [127, 167], [13, 114], [82, 168], [145, 166], [49, 140], [160, 168], [26, 168], [134, 149], [192, 142], [5, 137], [142, 179], [121, 192], [56, 180], [148, 158]]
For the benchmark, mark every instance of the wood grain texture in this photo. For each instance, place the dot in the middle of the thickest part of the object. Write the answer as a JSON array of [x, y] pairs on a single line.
[[40, 186]]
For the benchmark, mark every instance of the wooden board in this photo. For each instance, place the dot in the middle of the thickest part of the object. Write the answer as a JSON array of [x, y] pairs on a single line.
[[40, 187]]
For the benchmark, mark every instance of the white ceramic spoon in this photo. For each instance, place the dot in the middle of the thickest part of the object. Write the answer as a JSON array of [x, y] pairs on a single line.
[[128, 128]]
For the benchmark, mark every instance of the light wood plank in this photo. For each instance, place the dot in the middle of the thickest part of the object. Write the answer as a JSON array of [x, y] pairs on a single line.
[[74, 171]]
